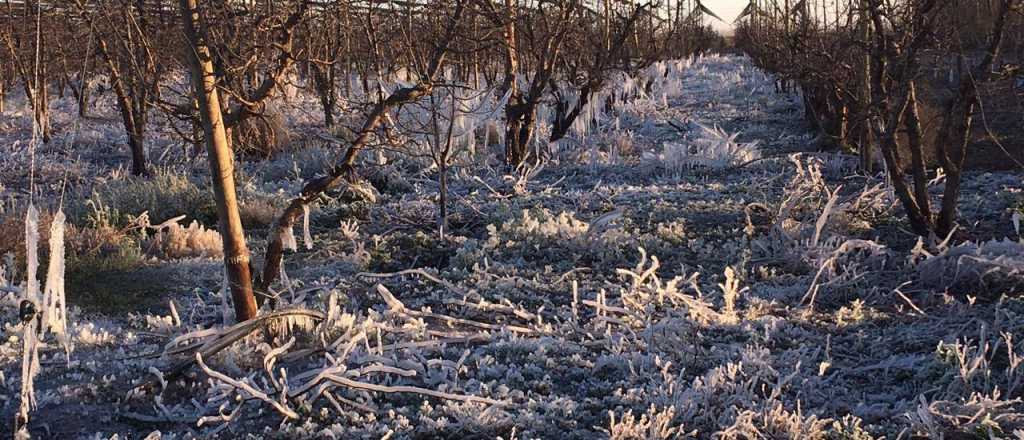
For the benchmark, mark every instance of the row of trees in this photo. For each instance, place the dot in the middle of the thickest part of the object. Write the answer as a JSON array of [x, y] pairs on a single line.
[[865, 67], [378, 55]]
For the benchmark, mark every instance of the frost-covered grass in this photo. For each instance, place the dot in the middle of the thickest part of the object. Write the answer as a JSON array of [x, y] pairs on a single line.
[[596, 299]]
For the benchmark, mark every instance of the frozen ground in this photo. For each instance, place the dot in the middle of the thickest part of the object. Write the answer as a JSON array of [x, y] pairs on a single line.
[[660, 282]]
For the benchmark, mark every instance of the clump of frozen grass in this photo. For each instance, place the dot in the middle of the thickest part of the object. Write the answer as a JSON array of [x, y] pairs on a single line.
[[258, 210], [739, 399], [810, 231], [713, 148], [530, 233], [539, 227], [994, 266], [731, 291], [194, 241], [984, 383], [775, 421], [349, 230], [654, 424], [164, 195], [359, 256]]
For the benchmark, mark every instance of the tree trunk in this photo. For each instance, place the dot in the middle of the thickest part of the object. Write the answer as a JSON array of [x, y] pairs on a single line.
[[204, 83], [917, 165], [867, 160], [442, 221], [515, 151], [42, 108], [323, 78], [137, 142]]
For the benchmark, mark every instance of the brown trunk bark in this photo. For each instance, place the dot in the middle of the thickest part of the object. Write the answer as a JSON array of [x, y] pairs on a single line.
[[515, 153], [917, 165], [137, 142], [204, 83]]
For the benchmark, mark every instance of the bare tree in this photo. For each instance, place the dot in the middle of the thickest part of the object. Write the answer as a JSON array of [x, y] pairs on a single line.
[[864, 76], [123, 39], [591, 69], [28, 53], [346, 168], [536, 36]]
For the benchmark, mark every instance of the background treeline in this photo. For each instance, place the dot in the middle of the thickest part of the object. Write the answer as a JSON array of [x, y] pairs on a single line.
[[912, 85]]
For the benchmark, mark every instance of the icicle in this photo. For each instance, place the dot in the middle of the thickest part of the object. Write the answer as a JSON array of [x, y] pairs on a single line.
[[1016, 221], [575, 300], [225, 303], [306, 237], [471, 139], [175, 317], [287, 283], [29, 370], [54, 306], [288, 240], [29, 310], [333, 312], [32, 253]]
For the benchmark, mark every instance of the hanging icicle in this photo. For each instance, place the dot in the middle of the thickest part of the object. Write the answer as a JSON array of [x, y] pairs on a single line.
[[288, 240], [227, 312], [54, 305], [32, 253], [307, 238], [29, 318]]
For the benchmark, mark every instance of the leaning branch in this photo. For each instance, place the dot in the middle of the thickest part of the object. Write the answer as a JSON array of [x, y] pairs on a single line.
[[346, 169]]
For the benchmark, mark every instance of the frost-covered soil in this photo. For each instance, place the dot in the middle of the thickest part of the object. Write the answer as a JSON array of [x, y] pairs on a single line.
[[657, 283]]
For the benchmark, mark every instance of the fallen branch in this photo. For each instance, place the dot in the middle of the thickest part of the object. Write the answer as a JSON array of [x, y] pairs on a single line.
[[234, 334], [411, 389], [249, 389], [419, 272]]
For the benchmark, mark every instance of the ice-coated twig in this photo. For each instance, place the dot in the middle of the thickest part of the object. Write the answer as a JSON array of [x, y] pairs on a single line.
[[335, 399], [340, 380], [271, 358], [492, 307], [602, 222], [420, 272], [248, 389], [398, 307]]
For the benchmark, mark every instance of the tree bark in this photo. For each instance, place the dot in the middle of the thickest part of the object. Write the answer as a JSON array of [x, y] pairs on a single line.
[[515, 152], [867, 155], [204, 83]]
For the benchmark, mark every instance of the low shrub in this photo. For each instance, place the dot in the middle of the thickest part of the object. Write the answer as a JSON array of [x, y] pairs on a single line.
[[164, 195]]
